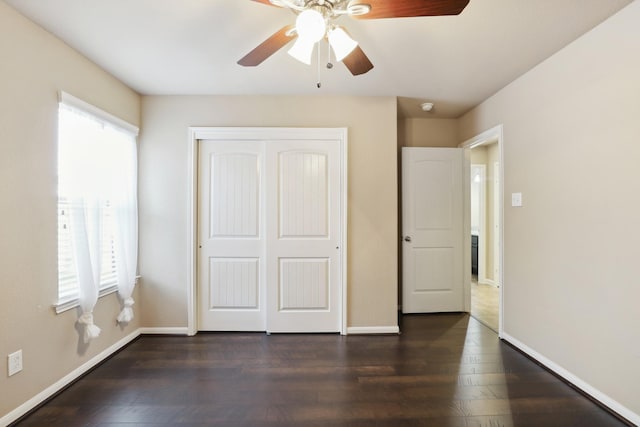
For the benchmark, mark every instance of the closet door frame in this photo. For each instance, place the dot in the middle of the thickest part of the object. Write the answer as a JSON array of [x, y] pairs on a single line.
[[258, 134]]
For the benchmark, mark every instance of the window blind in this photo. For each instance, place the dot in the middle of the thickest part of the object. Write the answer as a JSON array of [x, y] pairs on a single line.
[[67, 272]]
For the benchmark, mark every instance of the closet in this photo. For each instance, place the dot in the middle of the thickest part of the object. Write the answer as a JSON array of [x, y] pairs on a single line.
[[271, 226]]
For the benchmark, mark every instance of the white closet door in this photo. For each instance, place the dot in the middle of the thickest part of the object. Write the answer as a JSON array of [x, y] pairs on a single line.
[[303, 236], [231, 262]]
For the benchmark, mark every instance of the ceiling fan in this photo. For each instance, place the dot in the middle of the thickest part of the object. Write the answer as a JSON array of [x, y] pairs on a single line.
[[315, 22]]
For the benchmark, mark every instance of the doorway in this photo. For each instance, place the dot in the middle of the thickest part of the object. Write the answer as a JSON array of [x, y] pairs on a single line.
[[484, 195]]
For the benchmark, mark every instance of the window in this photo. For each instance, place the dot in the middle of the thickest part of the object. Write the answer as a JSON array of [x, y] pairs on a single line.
[[96, 160]]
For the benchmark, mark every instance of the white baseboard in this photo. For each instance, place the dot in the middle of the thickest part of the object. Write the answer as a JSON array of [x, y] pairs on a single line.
[[361, 330], [66, 380], [579, 383], [165, 331]]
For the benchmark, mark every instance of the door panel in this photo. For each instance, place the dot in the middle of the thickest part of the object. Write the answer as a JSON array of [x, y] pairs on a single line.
[[303, 236], [234, 283], [304, 201], [231, 240], [234, 188], [433, 180], [435, 268], [304, 284], [432, 192]]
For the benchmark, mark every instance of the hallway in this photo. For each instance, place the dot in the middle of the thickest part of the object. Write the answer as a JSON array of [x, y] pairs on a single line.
[[485, 300]]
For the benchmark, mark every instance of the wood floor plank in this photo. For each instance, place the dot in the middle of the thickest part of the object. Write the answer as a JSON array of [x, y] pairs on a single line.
[[443, 370]]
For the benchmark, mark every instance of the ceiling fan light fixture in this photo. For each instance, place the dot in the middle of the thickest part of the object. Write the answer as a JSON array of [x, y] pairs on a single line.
[[341, 43], [311, 25], [302, 50]]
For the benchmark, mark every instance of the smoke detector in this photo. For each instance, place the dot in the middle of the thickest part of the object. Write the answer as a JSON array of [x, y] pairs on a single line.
[[427, 106]]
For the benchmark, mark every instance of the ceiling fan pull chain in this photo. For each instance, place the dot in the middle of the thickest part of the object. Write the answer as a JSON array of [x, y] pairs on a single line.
[[329, 63], [319, 84]]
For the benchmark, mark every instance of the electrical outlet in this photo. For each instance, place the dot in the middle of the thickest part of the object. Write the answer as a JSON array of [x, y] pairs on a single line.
[[14, 363]]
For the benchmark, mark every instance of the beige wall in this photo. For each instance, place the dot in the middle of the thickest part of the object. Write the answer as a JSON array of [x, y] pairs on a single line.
[[572, 146], [419, 132], [372, 194], [34, 66]]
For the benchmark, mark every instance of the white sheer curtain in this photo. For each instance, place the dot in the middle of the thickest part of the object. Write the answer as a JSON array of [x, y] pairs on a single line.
[[81, 180], [98, 175], [86, 230], [125, 202]]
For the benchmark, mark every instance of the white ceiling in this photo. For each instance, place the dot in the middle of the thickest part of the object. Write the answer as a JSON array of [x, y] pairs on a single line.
[[191, 47]]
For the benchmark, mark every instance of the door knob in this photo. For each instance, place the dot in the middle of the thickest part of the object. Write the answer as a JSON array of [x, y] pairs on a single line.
[[407, 238]]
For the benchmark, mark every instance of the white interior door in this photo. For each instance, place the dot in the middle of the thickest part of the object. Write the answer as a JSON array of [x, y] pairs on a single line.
[[432, 218], [304, 236], [231, 237]]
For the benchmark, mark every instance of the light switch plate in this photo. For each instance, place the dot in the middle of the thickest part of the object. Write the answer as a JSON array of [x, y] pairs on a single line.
[[516, 199], [14, 363]]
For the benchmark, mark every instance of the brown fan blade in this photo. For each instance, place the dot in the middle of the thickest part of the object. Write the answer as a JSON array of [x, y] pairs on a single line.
[[268, 47], [411, 8], [357, 62]]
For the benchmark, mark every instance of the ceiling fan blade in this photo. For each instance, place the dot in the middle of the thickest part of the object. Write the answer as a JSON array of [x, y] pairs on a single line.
[[411, 8], [268, 47], [357, 62]]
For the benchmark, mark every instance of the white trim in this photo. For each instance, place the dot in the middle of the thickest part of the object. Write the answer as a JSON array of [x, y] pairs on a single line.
[[497, 218], [78, 103], [66, 380], [260, 134], [67, 305], [576, 381], [344, 174], [366, 330], [500, 281], [165, 331], [466, 230], [496, 133], [493, 134], [192, 232]]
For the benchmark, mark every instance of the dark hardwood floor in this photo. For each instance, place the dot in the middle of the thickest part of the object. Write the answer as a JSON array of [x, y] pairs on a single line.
[[444, 370]]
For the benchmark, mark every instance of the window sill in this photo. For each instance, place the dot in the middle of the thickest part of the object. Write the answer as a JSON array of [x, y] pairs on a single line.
[[70, 304]]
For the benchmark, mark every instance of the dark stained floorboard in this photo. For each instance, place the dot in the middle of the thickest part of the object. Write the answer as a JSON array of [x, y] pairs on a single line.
[[444, 370]]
